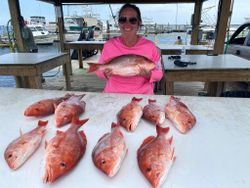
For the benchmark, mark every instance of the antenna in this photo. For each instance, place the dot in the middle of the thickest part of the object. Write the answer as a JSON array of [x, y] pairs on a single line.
[[112, 13]]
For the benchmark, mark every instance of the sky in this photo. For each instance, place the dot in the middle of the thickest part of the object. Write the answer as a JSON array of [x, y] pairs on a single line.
[[172, 13]]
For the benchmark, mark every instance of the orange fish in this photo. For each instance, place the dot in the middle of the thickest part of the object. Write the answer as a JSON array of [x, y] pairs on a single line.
[[180, 115], [44, 107], [156, 156], [64, 151], [68, 109], [153, 112], [110, 151], [20, 149], [130, 115], [125, 65]]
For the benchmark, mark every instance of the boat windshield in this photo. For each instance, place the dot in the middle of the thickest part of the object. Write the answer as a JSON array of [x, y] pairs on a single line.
[[39, 28], [32, 28]]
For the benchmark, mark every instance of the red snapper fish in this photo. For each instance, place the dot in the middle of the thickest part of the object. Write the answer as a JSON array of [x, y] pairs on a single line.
[[44, 107], [110, 151], [156, 156], [68, 109], [64, 151], [179, 114], [153, 112], [20, 149], [125, 65], [130, 115]]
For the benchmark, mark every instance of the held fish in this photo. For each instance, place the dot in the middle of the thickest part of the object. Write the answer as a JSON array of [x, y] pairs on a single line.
[[156, 156], [64, 151], [20, 149], [125, 65], [110, 151], [130, 115], [44, 107], [153, 112], [179, 114], [68, 109]]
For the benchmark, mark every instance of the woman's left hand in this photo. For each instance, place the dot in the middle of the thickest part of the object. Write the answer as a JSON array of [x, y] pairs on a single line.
[[108, 73], [145, 73]]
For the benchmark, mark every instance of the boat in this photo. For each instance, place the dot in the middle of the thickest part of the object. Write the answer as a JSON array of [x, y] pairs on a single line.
[[41, 35], [74, 25], [37, 25]]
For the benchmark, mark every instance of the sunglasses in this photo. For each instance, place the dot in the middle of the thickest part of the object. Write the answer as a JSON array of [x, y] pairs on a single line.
[[123, 20]]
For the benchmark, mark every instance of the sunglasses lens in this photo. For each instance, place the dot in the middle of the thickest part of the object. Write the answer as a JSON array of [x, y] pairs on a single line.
[[133, 20], [122, 20]]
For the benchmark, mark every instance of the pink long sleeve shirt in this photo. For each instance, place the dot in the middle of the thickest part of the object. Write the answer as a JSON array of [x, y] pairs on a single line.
[[135, 84]]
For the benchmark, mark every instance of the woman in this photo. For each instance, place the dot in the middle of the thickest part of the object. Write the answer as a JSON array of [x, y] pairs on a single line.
[[130, 43]]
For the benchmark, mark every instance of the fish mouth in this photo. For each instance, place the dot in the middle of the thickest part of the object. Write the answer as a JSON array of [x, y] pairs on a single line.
[[11, 160], [48, 176]]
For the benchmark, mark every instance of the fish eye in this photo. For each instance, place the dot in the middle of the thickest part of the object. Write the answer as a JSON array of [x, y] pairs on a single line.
[[103, 161], [10, 155], [148, 169], [62, 165]]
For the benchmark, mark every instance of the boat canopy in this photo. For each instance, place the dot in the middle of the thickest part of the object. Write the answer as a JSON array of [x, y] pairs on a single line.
[[120, 2]]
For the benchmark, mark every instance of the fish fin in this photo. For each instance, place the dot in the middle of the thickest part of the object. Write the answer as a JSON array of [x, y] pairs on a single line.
[[55, 106], [172, 97], [82, 95], [93, 67], [134, 99], [172, 155], [176, 99], [103, 137], [46, 143], [42, 123], [78, 122], [182, 105], [114, 125], [161, 130], [150, 101], [58, 132], [67, 95], [146, 140], [170, 140], [83, 136]]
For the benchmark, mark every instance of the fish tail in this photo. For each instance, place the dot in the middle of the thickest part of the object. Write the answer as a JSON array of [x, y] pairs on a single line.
[[114, 125], [42, 123], [150, 101], [161, 130], [81, 96], [170, 140], [136, 99], [77, 123], [93, 67], [172, 156], [173, 98]]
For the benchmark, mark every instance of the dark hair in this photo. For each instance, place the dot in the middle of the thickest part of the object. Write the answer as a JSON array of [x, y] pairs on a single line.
[[128, 5], [179, 37], [21, 21]]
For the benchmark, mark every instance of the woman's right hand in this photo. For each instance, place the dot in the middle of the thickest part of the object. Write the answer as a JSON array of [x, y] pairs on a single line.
[[108, 73]]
